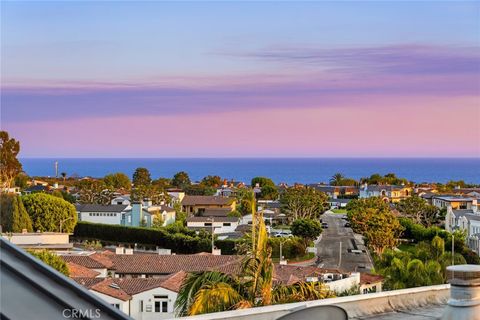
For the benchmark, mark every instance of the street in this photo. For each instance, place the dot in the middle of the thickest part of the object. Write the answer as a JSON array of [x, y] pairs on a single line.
[[354, 256]]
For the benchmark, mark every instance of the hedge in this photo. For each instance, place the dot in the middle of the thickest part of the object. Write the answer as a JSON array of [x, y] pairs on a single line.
[[178, 242]]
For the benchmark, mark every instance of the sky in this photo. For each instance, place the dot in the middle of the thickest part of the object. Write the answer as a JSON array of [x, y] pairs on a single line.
[[241, 79]]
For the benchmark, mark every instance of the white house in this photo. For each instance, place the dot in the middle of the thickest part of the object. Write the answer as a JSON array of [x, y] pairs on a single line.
[[95, 213], [455, 202], [468, 220], [166, 213], [219, 224], [390, 193], [122, 199]]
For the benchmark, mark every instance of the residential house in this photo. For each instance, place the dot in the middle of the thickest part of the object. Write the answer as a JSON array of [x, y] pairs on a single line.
[[40, 240], [142, 299], [338, 203], [165, 213], [370, 283], [467, 220], [122, 200], [218, 224], [176, 196], [96, 213], [336, 191], [137, 216], [391, 193], [196, 205], [455, 202]]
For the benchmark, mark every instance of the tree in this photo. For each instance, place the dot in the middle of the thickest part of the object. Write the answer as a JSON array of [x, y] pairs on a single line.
[[10, 167], [141, 177], [94, 191], [14, 217], [262, 182], [21, 180], [181, 180], [162, 183], [64, 176], [199, 190], [337, 179], [269, 193], [306, 229], [117, 181], [418, 210], [372, 218], [212, 181], [52, 260], [303, 202], [49, 213]]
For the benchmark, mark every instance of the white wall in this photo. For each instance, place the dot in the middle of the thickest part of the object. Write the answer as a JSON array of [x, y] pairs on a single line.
[[124, 305], [148, 300], [344, 284], [101, 217], [36, 238], [219, 227]]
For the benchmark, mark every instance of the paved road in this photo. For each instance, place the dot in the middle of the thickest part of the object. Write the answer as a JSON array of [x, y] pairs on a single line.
[[328, 248]]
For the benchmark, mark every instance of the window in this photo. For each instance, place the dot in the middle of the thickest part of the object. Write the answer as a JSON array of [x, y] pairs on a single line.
[[116, 305], [141, 305], [208, 224], [161, 304], [227, 224]]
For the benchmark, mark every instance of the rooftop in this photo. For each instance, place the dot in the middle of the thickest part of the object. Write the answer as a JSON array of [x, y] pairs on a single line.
[[100, 208], [206, 200]]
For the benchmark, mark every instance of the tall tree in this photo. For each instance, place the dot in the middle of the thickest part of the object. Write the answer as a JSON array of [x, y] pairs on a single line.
[[306, 229], [212, 181], [373, 219], [141, 177], [303, 202], [94, 191], [10, 167], [49, 213], [181, 180], [117, 181], [14, 217], [337, 179], [262, 181], [418, 210]]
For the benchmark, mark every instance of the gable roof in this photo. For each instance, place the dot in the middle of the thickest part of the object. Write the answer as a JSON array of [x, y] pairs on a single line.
[[368, 278], [206, 200], [89, 207], [78, 271], [111, 288], [84, 261], [467, 213]]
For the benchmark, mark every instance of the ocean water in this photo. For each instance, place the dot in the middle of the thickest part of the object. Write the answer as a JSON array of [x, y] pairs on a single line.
[[289, 170]]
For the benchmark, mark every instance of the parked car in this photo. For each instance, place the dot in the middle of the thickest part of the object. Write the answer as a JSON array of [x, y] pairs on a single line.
[[283, 235], [325, 225], [347, 225]]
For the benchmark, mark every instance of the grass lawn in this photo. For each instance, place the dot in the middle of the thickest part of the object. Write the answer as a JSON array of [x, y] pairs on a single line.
[[409, 247], [339, 211]]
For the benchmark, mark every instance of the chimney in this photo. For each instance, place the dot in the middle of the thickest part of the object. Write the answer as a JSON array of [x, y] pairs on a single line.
[[129, 251], [464, 302], [119, 250]]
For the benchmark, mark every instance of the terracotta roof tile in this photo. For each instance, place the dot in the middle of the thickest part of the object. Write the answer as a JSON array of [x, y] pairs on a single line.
[[78, 271], [368, 278], [84, 261], [110, 287], [206, 200]]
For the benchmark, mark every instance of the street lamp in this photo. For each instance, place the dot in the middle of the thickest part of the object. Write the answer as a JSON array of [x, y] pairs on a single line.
[[62, 221], [282, 240], [213, 229]]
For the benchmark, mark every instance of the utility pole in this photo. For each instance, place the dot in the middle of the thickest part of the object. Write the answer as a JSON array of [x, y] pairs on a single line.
[[340, 256], [213, 229], [56, 169], [453, 250]]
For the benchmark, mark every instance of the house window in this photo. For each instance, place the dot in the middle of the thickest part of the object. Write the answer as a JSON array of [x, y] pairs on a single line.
[[208, 224], [227, 224], [116, 305], [161, 306], [141, 305]]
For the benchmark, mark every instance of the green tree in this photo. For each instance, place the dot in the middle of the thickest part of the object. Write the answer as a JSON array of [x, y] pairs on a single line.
[[372, 218], [10, 167], [337, 179], [21, 180], [262, 182], [64, 176], [303, 202], [212, 181], [14, 217], [269, 192], [141, 177], [52, 260], [418, 210], [94, 191], [307, 229], [181, 180], [117, 181], [49, 213], [162, 183], [199, 190]]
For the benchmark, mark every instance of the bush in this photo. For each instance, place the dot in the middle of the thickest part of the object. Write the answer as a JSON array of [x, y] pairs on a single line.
[[291, 248], [177, 242], [52, 260]]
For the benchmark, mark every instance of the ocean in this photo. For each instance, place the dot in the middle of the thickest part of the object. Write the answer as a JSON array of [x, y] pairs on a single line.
[[288, 170]]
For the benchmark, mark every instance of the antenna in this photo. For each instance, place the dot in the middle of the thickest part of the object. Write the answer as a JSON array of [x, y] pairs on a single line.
[[56, 169]]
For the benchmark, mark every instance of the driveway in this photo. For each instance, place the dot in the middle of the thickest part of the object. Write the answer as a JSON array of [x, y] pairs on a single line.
[[328, 248]]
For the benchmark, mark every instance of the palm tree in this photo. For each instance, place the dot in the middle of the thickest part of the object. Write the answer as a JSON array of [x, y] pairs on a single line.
[[213, 291], [337, 179], [64, 175]]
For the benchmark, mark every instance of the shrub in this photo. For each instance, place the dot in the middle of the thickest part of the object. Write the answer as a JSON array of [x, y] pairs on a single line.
[[52, 260]]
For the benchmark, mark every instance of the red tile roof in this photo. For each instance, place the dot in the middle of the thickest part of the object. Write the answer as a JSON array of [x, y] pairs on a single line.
[[206, 200], [85, 261], [288, 273], [368, 278], [78, 271], [110, 287]]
